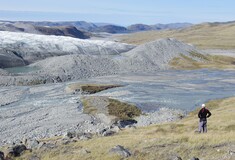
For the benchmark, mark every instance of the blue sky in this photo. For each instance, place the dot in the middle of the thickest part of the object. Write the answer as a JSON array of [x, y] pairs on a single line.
[[123, 12]]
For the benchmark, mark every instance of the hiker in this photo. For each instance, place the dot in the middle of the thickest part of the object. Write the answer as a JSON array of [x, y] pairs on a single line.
[[203, 114]]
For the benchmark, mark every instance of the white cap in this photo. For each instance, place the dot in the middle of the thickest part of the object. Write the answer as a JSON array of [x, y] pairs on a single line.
[[203, 105]]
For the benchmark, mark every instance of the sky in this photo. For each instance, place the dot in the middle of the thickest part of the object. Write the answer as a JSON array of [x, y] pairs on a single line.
[[122, 12]]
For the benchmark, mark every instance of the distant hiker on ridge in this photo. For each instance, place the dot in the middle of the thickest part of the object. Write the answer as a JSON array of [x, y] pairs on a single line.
[[203, 114]]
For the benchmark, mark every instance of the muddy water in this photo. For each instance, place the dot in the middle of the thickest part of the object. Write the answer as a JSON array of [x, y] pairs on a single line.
[[47, 110], [175, 89]]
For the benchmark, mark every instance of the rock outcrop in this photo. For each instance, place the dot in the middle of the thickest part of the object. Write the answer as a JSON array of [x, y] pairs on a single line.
[[121, 151]]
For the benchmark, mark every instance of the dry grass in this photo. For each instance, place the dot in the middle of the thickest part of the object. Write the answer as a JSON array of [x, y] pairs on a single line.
[[161, 141], [89, 88], [208, 61], [122, 111], [205, 36], [114, 108]]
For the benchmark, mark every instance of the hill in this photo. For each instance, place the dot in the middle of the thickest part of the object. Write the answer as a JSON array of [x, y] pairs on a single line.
[[204, 36], [59, 59], [110, 29], [156, 55], [174, 140], [150, 57], [91, 27], [144, 27]]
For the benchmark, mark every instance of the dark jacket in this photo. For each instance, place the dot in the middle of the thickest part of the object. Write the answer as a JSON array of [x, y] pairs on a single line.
[[203, 114]]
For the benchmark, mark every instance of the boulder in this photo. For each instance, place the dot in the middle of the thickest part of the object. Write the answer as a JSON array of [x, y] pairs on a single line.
[[194, 158], [71, 134], [16, 151], [46, 146], [84, 136], [108, 133], [121, 151], [126, 123]]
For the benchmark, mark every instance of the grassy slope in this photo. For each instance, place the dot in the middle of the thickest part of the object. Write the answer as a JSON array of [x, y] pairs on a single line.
[[208, 61], [162, 141], [205, 36]]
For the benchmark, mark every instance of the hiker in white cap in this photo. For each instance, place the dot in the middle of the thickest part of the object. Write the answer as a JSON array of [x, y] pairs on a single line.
[[203, 114]]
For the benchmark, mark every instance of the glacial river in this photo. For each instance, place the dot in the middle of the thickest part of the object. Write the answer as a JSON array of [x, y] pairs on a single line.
[[47, 110], [174, 89]]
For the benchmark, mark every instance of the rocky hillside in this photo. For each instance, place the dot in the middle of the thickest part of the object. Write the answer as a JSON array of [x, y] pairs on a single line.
[[72, 67], [149, 57], [156, 55], [18, 49]]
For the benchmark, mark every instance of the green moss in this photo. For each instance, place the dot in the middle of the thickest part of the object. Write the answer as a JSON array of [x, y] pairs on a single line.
[[120, 110], [123, 110], [208, 61], [91, 89]]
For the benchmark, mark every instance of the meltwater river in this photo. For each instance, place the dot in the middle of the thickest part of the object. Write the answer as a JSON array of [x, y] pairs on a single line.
[[174, 89], [47, 110]]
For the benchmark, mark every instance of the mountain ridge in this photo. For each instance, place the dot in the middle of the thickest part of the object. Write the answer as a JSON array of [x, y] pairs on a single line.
[[102, 27]]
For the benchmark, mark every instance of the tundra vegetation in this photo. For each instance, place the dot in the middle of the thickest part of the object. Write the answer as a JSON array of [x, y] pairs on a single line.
[[160, 141], [207, 61]]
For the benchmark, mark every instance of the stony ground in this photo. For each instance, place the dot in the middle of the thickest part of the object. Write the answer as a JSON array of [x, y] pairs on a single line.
[[50, 110]]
